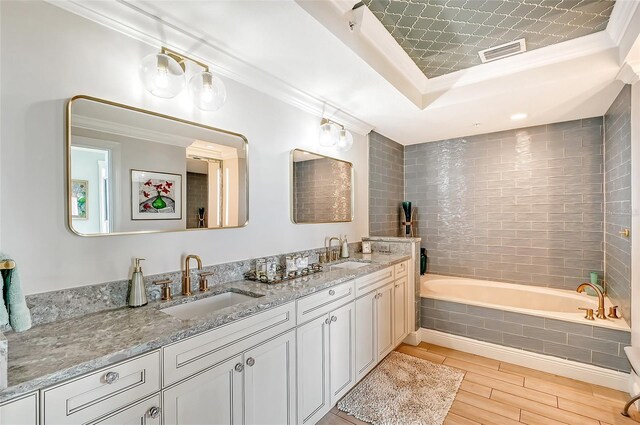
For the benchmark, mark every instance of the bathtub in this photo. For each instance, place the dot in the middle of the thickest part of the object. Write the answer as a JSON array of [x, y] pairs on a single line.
[[540, 320], [552, 303]]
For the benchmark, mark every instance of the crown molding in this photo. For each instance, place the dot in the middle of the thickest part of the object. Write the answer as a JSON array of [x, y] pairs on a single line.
[[556, 53], [110, 127], [629, 73], [624, 26], [132, 21]]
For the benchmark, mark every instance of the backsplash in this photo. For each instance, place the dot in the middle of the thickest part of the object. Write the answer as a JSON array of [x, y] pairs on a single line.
[[522, 206], [386, 185], [617, 196], [74, 302]]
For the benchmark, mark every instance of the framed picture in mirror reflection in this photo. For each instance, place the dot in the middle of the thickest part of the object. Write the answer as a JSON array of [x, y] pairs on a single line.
[[156, 195]]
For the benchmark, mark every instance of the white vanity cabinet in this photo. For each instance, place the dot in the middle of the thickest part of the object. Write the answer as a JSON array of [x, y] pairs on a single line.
[[400, 318], [326, 357], [381, 315], [254, 387], [22, 411]]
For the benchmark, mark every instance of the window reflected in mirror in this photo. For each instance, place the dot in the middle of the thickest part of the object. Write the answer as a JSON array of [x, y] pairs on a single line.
[[321, 188], [135, 171]]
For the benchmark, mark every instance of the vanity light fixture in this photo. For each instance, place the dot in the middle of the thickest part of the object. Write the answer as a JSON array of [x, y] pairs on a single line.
[[163, 75], [332, 134]]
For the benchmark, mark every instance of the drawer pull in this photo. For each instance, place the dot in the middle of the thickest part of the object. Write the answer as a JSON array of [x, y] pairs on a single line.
[[251, 361], [239, 367], [334, 319], [154, 412], [395, 286], [332, 292], [111, 377]]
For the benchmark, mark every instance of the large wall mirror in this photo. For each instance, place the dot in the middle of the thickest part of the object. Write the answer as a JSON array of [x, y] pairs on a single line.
[[322, 188], [134, 171]]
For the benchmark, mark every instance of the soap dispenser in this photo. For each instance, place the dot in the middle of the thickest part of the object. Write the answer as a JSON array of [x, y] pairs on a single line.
[[137, 290], [344, 251]]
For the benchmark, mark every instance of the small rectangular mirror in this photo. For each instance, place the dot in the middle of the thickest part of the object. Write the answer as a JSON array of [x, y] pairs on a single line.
[[135, 171], [321, 188]]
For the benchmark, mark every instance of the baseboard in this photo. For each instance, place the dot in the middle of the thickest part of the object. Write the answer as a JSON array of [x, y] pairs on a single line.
[[557, 366], [413, 338]]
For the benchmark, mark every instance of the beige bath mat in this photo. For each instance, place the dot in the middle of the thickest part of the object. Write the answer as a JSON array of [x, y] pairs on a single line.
[[405, 390]]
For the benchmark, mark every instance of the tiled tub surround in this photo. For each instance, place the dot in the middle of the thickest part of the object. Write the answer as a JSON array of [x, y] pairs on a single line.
[[537, 331], [617, 198], [523, 206], [386, 185], [57, 351], [75, 302]]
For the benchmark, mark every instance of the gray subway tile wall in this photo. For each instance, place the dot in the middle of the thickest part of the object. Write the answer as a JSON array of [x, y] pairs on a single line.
[[522, 206], [321, 191], [197, 197], [574, 341], [617, 196], [386, 185]]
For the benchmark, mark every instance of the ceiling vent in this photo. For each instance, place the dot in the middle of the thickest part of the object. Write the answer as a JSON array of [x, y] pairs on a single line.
[[502, 51]]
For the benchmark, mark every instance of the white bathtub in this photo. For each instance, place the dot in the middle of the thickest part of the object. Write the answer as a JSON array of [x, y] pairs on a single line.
[[545, 302]]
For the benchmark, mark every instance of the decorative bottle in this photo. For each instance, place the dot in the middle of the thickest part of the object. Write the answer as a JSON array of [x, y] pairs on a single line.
[[423, 260]]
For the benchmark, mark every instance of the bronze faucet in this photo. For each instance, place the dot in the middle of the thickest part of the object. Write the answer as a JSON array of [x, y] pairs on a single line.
[[186, 278], [600, 313]]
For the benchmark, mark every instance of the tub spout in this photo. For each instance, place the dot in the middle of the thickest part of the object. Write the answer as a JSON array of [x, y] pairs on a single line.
[[600, 314]]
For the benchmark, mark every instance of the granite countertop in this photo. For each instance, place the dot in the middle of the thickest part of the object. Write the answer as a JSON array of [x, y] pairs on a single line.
[[65, 349]]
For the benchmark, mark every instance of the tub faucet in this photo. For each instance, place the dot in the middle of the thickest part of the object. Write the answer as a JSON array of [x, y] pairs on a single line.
[[186, 279], [600, 314]]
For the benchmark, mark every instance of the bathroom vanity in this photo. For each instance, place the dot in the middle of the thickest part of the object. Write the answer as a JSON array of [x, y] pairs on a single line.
[[286, 357]]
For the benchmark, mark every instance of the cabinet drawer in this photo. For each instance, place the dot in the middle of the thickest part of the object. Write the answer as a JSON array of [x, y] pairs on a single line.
[[192, 355], [92, 396], [147, 412], [373, 281], [324, 301], [401, 269]]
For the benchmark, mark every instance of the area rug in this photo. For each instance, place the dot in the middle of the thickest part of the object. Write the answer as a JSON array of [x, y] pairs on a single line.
[[405, 390]]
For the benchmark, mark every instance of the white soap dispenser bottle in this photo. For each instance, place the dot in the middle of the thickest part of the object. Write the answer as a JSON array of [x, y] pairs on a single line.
[[344, 251]]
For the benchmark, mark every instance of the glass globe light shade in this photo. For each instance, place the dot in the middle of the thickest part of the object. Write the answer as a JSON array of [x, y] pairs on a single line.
[[328, 134], [208, 91], [345, 140], [162, 75]]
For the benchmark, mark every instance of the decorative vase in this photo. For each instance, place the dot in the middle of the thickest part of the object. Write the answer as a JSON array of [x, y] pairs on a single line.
[[423, 260], [159, 203], [406, 207]]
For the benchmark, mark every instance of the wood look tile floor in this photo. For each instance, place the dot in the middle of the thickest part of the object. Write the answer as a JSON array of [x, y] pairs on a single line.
[[499, 393]]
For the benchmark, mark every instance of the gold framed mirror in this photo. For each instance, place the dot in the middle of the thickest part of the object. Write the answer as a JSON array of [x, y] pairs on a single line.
[[322, 188], [135, 171]]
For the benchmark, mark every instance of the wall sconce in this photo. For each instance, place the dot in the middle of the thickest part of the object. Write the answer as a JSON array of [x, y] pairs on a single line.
[[163, 75], [332, 134]]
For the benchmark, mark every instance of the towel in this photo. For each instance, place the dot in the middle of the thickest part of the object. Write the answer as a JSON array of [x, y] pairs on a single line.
[[13, 309]]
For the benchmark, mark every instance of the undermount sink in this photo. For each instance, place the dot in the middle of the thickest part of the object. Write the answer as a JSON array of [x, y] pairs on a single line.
[[350, 265], [208, 305]]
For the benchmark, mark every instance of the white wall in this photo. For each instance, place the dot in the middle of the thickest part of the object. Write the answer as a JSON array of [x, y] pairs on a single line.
[[50, 55]]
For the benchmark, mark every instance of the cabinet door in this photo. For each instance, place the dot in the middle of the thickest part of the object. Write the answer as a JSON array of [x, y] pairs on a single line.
[[146, 412], [342, 370], [384, 310], [269, 382], [366, 346], [20, 412], [210, 397], [312, 347], [399, 310]]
